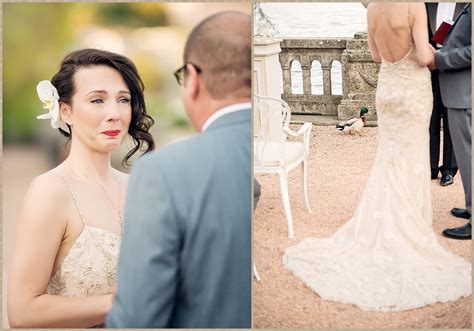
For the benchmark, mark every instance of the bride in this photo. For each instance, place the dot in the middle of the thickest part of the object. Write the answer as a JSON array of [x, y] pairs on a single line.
[[387, 256], [63, 270]]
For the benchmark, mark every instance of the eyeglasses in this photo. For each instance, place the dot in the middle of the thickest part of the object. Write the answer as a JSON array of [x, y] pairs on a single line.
[[179, 74]]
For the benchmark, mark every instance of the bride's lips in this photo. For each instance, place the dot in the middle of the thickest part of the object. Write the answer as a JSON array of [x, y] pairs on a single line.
[[111, 133]]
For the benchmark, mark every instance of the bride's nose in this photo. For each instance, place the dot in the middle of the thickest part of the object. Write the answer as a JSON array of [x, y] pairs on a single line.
[[113, 113]]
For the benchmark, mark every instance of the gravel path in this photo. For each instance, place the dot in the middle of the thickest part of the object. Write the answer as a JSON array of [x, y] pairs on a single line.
[[339, 166]]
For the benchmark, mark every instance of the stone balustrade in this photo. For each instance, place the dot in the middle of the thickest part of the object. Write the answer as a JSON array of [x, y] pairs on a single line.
[[359, 75]]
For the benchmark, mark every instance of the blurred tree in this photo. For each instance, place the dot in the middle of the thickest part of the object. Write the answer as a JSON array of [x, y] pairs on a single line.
[[147, 14], [34, 38], [262, 18]]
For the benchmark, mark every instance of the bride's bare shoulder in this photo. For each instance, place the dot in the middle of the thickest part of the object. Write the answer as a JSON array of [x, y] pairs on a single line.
[[46, 203], [49, 185], [417, 8], [372, 9], [372, 6]]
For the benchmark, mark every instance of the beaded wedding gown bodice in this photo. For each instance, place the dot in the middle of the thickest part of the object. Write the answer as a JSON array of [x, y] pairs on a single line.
[[387, 256], [90, 265]]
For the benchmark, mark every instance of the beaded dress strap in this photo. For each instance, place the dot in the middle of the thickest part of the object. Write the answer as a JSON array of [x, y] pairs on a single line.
[[409, 25], [75, 200]]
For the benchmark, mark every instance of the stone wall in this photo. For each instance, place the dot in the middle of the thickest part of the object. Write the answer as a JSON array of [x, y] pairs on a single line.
[[359, 75]]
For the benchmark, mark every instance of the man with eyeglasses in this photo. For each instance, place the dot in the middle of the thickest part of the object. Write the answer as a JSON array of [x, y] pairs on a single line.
[[185, 260]]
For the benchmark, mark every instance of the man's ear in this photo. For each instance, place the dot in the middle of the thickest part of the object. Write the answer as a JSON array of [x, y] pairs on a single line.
[[193, 82], [66, 113]]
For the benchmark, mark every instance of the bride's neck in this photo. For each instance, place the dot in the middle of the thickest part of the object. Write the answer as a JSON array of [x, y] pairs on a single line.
[[86, 163]]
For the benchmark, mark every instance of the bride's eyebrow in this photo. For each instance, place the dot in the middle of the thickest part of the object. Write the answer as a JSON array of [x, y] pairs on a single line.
[[105, 92], [96, 92]]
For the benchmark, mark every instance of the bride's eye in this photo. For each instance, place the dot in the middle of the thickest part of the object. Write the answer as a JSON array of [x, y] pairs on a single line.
[[97, 101], [124, 100]]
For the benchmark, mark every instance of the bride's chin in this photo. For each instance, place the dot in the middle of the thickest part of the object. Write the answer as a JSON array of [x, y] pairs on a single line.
[[111, 146]]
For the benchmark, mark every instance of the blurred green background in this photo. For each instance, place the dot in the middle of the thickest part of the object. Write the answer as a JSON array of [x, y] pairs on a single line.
[[36, 37]]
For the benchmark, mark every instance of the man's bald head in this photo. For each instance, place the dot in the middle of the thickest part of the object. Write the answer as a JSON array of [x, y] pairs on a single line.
[[221, 46]]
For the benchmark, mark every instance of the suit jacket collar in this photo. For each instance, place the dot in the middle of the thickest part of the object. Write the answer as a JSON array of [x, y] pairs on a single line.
[[459, 8], [464, 11], [229, 119], [223, 111]]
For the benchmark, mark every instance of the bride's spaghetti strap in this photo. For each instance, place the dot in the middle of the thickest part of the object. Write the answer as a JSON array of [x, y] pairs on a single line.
[[409, 25], [74, 199]]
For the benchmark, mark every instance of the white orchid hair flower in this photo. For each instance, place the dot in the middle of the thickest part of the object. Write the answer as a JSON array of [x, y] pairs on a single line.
[[50, 99]]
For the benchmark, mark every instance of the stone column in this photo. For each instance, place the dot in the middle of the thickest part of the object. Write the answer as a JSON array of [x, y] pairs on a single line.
[[359, 79], [326, 79], [306, 68], [286, 71]]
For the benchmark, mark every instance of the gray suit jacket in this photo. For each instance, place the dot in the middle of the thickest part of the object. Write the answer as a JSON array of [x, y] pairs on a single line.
[[454, 63], [185, 260]]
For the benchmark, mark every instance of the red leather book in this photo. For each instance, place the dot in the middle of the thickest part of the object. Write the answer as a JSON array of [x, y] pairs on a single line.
[[442, 32]]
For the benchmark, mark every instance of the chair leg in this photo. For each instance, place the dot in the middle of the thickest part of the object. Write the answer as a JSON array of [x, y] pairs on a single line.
[[255, 273], [286, 201], [304, 178]]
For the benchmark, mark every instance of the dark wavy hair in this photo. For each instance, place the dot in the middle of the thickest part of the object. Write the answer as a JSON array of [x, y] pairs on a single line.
[[140, 123]]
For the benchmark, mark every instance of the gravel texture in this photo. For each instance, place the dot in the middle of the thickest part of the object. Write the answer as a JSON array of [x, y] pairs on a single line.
[[339, 166]]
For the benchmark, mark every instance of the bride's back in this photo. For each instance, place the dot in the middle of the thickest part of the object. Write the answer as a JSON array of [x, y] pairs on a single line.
[[390, 25], [394, 27]]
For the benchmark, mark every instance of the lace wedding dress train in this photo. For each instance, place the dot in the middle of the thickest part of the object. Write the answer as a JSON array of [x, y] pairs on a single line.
[[387, 256]]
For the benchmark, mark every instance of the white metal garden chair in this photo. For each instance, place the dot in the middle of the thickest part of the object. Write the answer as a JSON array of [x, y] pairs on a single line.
[[274, 152]]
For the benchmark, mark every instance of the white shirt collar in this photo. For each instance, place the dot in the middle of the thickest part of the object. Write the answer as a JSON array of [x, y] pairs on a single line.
[[224, 111]]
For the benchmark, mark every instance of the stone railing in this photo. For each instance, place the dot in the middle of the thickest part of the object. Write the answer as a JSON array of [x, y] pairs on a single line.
[[359, 75]]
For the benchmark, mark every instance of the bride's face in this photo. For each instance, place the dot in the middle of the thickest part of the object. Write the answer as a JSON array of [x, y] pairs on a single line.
[[101, 109]]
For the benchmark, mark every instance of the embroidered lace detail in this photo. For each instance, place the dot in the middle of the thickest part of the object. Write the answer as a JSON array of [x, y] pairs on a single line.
[[90, 266], [387, 256]]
